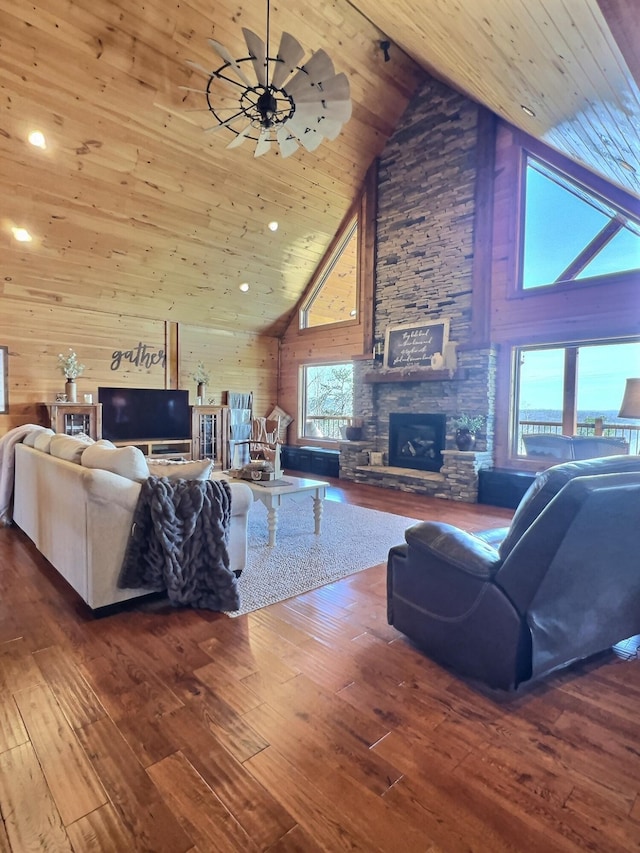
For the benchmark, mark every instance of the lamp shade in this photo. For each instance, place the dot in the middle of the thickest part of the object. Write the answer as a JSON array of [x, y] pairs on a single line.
[[630, 407]]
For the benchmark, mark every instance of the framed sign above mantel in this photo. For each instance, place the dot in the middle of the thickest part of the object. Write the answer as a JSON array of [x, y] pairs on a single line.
[[416, 345]]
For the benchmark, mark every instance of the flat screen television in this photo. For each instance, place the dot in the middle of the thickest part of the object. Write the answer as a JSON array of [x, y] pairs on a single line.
[[144, 414]]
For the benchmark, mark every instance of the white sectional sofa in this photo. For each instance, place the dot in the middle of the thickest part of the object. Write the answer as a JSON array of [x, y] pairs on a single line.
[[79, 517]]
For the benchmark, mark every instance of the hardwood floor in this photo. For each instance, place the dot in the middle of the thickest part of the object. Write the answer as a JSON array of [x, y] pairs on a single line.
[[309, 725]]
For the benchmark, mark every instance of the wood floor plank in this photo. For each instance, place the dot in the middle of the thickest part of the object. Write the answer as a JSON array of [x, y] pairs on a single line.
[[5, 846], [310, 808], [200, 811], [73, 783], [31, 818], [101, 831], [364, 817], [75, 697], [229, 727], [254, 807], [296, 841], [312, 746], [12, 730], [136, 800]]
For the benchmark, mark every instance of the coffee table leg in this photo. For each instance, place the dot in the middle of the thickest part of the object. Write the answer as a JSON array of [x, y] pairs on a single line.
[[272, 523], [317, 512]]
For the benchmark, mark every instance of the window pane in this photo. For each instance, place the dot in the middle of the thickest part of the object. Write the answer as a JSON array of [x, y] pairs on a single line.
[[549, 244], [561, 219], [602, 374], [328, 400], [334, 299], [620, 253], [540, 398]]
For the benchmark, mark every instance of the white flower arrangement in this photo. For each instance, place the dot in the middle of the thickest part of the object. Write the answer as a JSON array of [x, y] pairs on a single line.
[[69, 365], [200, 375]]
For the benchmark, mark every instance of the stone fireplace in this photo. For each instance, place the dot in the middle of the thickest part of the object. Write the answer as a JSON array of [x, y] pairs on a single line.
[[427, 220], [416, 440]]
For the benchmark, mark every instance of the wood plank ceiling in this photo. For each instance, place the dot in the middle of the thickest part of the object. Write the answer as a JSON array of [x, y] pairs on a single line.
[[135, 209]]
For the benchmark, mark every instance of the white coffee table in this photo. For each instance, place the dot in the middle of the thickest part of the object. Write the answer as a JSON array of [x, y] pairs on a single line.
[[272, 496]]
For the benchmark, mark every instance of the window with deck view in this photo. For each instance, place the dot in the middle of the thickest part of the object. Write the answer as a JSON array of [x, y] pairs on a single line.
[[574, 389], [327, 400]]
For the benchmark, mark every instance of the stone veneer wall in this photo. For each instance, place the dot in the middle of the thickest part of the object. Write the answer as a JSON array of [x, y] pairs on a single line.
[[424, 267]]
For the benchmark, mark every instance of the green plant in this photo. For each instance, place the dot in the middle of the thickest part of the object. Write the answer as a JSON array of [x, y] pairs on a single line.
[[473, 423], [69, 365], [201, 374]]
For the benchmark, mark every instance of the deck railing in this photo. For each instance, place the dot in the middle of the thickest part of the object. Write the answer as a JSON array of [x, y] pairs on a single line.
[[326, 426], [631, 432]]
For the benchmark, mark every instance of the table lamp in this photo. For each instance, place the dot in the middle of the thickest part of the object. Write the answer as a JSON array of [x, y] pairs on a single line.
[[630, 407]]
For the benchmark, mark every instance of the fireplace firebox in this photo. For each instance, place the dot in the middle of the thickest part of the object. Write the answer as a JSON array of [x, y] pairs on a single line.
[[416, 440]]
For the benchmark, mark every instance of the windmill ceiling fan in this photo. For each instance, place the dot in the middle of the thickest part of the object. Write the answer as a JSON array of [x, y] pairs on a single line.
[[288, 104]]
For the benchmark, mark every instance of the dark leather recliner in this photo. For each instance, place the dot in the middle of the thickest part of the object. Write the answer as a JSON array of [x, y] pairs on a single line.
[[513, 604]]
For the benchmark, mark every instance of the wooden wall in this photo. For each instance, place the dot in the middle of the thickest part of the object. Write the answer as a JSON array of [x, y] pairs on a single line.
[[235, 361], [123, 350], [338, 342], [597, 310]]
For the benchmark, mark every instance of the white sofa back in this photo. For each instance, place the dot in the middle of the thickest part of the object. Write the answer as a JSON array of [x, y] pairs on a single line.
[[79, 518]]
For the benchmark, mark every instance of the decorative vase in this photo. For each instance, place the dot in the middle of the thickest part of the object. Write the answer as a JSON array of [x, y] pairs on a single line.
[[464, 439], [201, 393], [71, 390]]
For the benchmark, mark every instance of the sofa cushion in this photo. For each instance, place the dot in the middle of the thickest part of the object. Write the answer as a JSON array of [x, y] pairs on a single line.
[[126, 461], [40, 439], [547, 485], [175, 470], [30, 437], [69, 447]]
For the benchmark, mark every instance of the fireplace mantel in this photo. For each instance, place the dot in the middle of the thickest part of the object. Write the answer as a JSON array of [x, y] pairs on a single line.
[[420, 374]]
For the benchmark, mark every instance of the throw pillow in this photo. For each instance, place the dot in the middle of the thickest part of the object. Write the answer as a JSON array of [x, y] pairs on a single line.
[[69, 447], [30, 439], [125, 461], [175, 470]]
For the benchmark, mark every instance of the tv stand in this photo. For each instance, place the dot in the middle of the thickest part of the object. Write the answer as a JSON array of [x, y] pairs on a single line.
[[161, 448]]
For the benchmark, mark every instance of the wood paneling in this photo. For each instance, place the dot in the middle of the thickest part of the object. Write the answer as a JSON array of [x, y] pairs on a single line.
[[557, 58], [135, 210], [37, 332], [236, 362], [132, 203], [121, 350]]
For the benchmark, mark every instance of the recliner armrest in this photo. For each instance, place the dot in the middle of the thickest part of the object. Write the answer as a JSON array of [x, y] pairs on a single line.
[[449, 544]]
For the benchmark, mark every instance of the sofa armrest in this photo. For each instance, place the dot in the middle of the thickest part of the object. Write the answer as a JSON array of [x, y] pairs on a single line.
[[448, 544], [241, 498]]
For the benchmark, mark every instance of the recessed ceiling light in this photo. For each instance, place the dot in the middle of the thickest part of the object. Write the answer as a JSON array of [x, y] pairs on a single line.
[[527, 110], [273, 226], [36, 138], [22, 235], [244, 287], [626, 166]]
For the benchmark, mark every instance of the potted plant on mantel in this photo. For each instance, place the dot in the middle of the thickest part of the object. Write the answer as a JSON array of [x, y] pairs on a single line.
[[201, 377], [466, 428], [71, 369]]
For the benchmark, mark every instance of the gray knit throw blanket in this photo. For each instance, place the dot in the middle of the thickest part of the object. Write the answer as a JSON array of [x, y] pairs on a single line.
[[178, 542]]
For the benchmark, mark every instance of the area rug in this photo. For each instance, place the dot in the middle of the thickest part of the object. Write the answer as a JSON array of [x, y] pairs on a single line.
[[352, 538]]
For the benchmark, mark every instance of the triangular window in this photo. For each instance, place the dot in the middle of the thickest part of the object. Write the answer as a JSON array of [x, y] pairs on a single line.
[[334, 295], [570, 233]]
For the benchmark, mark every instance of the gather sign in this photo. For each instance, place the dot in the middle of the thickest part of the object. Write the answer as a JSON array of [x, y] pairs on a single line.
[[139, 356]]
